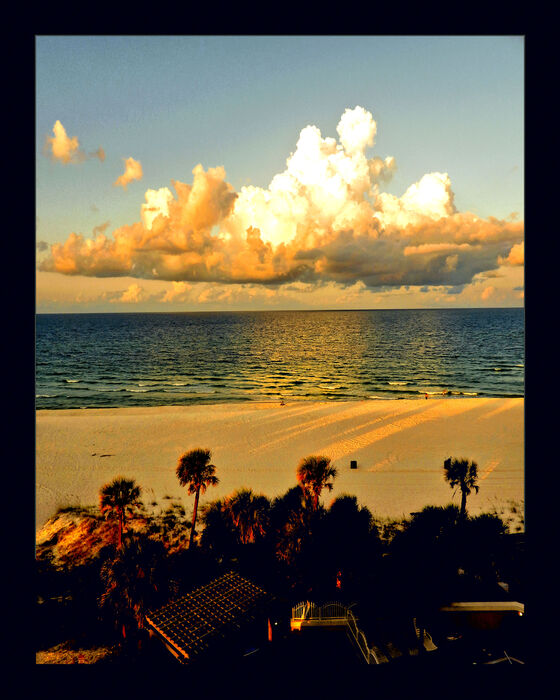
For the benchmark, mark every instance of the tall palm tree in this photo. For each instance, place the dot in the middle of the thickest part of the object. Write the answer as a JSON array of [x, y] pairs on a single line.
[[249, 513], [118, 499], [196, 473], [315, 473], [464, 474]]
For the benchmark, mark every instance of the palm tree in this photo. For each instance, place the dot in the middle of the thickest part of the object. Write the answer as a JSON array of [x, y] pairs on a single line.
[[195, 471], [133, 581], [314, 473], [348, 541], [219, 534], [119, 498], [249, 513], [288, 520], [464, 474]]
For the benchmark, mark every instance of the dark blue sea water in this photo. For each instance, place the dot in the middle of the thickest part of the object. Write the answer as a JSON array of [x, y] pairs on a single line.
[[147, 359]]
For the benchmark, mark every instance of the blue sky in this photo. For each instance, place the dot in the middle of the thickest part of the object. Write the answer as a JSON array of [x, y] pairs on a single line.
[[450, 105]]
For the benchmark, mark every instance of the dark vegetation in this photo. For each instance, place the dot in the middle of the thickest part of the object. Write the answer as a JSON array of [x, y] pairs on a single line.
[[99, 570]]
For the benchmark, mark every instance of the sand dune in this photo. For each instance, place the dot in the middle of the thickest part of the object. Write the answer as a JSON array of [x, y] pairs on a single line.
[[399, 445]]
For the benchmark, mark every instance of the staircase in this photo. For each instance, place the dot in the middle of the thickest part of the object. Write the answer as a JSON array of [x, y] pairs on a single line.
[[333, 614]]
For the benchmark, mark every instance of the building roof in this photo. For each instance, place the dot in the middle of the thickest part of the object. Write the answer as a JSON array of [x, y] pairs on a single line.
[[492, 606], [190, 624]]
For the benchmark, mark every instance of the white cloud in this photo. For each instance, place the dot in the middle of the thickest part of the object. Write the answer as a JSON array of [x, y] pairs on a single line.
[[177, 292], [62, 147], [322, 220], [132, 295], [132, 171], [65, 149]]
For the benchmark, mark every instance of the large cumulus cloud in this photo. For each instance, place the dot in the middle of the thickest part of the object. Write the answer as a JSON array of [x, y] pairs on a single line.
[[323, 219]]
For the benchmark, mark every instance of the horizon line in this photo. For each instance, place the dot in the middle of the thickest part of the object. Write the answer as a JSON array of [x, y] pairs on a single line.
[[245, 311]]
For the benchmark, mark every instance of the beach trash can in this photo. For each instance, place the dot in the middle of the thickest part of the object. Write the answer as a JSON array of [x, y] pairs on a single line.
[[353, 464]]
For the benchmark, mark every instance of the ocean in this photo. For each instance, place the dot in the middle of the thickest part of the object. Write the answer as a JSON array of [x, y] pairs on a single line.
[[152, 359]]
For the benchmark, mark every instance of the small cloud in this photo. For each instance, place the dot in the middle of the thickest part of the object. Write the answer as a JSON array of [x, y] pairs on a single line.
[[101, 228], [132, 295], [60, 147], [487, 293], [132, 171], [177, 292], [42, 245], [100, 153], [63, 148]]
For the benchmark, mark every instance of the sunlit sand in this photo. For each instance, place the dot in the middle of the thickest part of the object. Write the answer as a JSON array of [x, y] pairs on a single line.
[[399, 446]]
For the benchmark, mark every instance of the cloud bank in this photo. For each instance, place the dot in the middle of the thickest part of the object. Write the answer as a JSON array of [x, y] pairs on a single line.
[[324, 219]]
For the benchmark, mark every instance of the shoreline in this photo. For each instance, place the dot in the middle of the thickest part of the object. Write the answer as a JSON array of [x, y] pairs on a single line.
[[399, 445], [215, 401]]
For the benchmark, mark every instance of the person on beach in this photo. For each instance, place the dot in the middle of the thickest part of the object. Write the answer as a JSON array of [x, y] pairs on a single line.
[[426, 396]]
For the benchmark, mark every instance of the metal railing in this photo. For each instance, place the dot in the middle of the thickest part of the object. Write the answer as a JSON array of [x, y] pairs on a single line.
[[423, 636], [307, 611]]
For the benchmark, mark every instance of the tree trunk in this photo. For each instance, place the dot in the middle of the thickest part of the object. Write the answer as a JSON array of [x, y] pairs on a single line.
[[463, 504], [121, 528], [191, 540]]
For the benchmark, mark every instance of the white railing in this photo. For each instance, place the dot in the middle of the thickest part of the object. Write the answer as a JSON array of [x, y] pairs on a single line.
[[332, 610], [423, 636], [360, 639], [329, 612]]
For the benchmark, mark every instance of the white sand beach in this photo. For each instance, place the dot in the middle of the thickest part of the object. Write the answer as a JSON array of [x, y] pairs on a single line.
[[399, 446]]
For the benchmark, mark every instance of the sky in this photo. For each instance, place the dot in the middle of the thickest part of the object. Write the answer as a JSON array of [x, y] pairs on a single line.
[[210, 173]]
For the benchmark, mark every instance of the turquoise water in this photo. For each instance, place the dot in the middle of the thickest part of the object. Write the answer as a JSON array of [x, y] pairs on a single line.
[[147, 359]]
